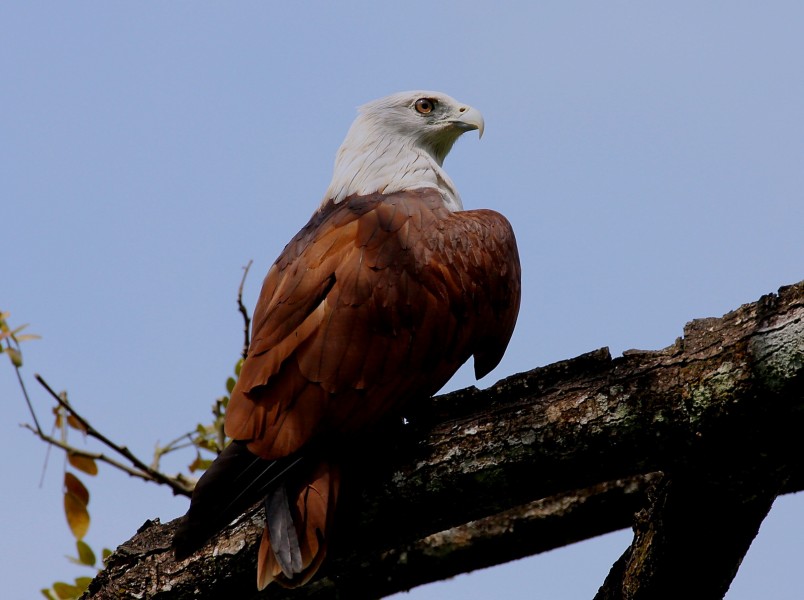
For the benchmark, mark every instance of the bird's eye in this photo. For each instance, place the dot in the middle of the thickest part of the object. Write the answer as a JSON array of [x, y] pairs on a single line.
[[424, 106]]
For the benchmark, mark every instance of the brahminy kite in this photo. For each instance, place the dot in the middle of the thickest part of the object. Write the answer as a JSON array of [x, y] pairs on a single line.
[[389, 288]]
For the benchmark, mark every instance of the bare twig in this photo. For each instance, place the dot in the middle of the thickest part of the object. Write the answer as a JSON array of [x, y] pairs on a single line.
[[244, 310], [87, 454], [27, 399], [177, 484], [9, 338], [13, 348], [183, 441]]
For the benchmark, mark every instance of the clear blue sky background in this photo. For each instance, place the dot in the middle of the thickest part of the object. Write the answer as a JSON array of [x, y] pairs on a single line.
[[650, 158]]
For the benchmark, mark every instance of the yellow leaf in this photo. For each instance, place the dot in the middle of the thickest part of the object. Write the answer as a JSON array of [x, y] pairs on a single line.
[[77, 515], [83, 463], [57, 412], [74, 486], [28, 336], [73, 422]]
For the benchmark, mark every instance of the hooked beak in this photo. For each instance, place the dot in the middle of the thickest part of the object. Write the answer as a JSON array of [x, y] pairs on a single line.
[[469, 120]]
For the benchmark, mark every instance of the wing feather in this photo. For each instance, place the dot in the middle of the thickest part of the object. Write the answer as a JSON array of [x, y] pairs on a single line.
[[378, 299]]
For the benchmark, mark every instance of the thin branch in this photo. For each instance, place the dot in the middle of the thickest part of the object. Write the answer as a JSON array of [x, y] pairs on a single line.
[[27, 399], [185, 440], [87, 454], [179, 487], [15, 348], [39, 431], [244, 311]]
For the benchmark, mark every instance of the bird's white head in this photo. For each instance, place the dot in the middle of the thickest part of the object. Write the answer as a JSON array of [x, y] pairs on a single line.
[[399, 143]]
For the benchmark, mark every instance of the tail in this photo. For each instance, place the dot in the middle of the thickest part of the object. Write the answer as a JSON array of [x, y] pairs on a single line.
[[294, 542], [235, 481]]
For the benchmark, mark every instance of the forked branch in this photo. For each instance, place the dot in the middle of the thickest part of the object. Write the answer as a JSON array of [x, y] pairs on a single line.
[[180, 484]]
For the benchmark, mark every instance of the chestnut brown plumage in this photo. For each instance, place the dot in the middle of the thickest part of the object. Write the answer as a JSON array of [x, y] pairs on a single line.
[[379, 299]]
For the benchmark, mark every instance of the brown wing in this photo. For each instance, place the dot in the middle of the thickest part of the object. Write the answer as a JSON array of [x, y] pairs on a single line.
[[376, 300]]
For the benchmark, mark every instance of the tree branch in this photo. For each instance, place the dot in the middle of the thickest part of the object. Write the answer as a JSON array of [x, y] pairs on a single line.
[[179, 484], [544, 458], [244, 311]]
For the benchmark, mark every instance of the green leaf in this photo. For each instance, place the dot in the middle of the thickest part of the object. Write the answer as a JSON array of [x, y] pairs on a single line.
[[199, 464], [65, 591], [82, 583], [48, 594], [238, 366], [85, 553], [230, 383], [105, 553], [205, 444], [15, 356]]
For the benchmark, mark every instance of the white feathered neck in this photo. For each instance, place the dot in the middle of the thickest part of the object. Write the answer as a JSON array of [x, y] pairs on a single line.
[[390, 147]]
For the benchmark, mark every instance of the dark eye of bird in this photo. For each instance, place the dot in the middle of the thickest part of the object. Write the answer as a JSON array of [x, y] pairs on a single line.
[[425, 106]]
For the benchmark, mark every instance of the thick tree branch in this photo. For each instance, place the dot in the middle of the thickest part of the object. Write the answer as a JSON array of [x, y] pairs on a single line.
[[544, 458]]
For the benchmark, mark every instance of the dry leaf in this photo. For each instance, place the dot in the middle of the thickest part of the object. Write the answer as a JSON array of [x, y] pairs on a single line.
[[77, 515], [73, 422], [83, 463], [73, 485]]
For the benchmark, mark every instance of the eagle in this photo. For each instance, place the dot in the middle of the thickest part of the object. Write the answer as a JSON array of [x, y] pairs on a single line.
[[388, 289]]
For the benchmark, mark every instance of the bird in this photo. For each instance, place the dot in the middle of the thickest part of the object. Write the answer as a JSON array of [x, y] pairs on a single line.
[[377, 301]]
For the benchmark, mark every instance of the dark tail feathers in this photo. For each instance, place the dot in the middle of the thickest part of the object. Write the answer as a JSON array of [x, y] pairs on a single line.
[[233, 483]]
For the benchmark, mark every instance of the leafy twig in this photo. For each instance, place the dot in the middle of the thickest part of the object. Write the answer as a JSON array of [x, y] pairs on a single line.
[[12, 338], [179, 485], [182, 485]]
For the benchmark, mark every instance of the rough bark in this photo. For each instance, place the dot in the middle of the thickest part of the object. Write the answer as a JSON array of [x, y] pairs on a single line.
[[545, 458]]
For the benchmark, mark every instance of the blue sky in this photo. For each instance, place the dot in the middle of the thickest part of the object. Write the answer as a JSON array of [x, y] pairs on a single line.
[[650, 158]]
